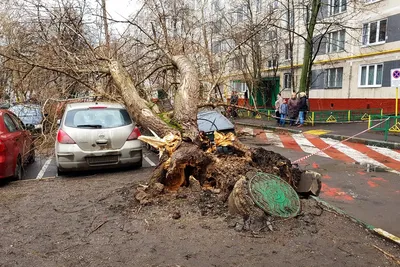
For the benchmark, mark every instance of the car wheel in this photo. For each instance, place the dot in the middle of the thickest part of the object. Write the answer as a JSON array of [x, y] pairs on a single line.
[[139, 164], [18, 169], [31, 157], [60, 172]]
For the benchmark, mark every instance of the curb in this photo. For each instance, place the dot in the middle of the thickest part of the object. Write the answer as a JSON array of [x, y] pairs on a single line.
[[364, 141], [377, 231], [370, 142], [274, 128]]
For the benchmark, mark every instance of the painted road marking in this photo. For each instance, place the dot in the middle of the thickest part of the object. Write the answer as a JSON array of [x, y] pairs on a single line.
[[344, 151], [332, 152], [307, 146], [388, 161], [289, 142], [152, 164], [260, 134], [247, 130], [317, 132], [44, 168], [274, 139], [386, 151], [352, 153]]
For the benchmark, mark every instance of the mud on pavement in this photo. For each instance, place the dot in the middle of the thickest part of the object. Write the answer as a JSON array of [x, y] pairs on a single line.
[[95, 221]]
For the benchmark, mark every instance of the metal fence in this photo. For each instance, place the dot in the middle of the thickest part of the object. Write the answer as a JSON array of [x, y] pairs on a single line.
[[391, 124], [322, 116]]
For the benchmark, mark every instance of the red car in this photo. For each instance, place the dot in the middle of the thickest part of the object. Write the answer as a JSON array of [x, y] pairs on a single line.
[[16, 146]]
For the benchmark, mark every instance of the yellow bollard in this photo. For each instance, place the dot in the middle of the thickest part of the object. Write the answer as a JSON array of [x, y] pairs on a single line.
[[369, 122]]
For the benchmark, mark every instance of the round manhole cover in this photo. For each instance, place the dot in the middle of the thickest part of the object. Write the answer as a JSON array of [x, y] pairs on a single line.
[[274, 195]]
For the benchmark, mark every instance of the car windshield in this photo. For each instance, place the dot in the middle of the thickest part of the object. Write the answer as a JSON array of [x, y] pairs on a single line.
[[97, 118]]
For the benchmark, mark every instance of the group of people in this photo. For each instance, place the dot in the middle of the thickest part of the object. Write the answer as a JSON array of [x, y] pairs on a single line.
[[294, 110]]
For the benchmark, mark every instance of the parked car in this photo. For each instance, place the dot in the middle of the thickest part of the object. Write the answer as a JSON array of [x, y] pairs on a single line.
[[208, 121], [16, 146], [30, 114], [211, 120], [97, 135]]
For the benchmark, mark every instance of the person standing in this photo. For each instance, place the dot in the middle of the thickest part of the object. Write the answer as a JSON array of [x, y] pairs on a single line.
[[234, 102], [246, 99], [293, 109], [302, 108], [278, 103], [283, 110]]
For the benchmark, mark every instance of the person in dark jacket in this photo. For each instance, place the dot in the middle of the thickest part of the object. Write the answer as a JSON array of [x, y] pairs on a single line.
[[303, 107], [293, 108], [234, 101]]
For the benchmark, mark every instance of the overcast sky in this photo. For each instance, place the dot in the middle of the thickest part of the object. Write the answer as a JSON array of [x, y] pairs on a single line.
[[120, 9]]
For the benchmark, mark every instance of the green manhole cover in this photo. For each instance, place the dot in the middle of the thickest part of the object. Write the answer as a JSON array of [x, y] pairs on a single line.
[[274, 195]]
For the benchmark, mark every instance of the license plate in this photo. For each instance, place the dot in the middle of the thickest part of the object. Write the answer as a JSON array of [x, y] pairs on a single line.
[[102, 160]]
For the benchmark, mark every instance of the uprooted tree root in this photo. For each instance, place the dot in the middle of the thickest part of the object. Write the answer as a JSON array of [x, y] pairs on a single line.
[[191, 169]]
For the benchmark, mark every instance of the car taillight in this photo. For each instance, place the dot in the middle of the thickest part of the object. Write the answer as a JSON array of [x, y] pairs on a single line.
[[134, 134], [64, 138]]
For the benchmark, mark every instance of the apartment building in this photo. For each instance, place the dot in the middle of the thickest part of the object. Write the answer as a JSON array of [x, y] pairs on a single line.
[[356, 43]]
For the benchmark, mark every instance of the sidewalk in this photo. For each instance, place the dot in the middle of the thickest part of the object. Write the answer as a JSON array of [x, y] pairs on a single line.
[[337, 131]]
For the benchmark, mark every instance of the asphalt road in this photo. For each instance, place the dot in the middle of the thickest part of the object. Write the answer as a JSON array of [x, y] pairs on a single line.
[[46, 167], [372, 197]]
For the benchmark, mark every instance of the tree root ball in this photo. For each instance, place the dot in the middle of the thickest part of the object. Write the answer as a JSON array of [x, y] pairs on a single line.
[[220, 171]]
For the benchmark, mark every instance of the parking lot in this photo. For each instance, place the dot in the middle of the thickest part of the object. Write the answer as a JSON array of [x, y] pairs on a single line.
[[45, 167]]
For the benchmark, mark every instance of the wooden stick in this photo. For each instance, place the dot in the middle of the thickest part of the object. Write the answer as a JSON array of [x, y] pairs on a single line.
[[387, 254]]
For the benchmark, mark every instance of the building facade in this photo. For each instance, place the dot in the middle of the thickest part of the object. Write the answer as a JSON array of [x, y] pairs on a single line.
[[356, 43]]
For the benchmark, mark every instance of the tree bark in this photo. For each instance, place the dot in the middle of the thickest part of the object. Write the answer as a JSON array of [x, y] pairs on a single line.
[[187, 97], [136, 105], [307, 61]]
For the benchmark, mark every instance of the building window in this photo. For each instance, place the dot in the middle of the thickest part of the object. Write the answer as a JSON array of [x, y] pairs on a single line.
[[374, 32], [258, 5], [238, 86], [273, 63], [238, 62], [217, 26], [217, 47], [371, 75], [287, 51], [271, 35], [215, 6], [239, 14], [289, 19], [335, 41], [287, 83], [335, 78], [337, 6]]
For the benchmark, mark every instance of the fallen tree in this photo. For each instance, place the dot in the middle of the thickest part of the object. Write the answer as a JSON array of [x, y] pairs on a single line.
[[184, 156]]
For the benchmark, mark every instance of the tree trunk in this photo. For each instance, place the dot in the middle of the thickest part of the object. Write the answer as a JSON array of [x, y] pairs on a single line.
[[307, 61], [187, 97], [136, 105]]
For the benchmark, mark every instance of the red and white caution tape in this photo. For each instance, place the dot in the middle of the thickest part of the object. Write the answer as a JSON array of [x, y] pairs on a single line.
[[321, 150]]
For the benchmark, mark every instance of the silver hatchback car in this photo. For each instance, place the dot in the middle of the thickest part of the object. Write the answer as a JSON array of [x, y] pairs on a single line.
[[97, 135]]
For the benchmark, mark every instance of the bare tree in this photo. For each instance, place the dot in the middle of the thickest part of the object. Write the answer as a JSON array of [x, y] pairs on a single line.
[[163, 40]]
